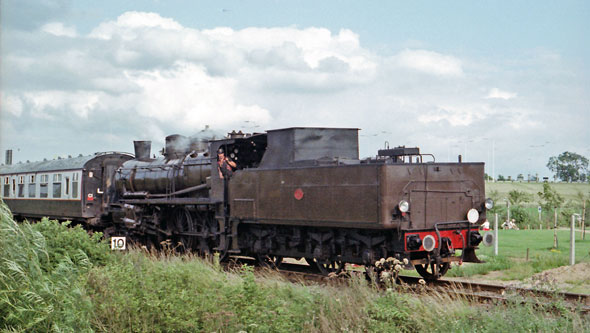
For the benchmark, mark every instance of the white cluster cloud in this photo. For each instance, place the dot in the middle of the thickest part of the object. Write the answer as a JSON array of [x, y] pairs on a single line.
[[59, 29], [430, 62], [144, 76], [497, 93]]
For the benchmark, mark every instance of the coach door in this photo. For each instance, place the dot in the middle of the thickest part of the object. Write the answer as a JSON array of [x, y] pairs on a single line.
[[107, 184]]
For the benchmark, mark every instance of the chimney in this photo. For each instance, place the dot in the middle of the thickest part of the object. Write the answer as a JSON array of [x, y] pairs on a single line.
[[176, 146], [9, 157], [142, 149]]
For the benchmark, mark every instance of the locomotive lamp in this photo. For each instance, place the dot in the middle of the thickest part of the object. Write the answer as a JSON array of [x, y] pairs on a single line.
[[472, 215], [404, 206], [428, 243], [489, 203]]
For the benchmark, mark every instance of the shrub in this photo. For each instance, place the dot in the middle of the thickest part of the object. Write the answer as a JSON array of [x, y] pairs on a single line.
[[521, 216], [63, 241], [38, 293]]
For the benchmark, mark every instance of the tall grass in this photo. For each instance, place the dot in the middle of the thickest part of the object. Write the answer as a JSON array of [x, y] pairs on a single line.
[[41, 289], [57, 278]]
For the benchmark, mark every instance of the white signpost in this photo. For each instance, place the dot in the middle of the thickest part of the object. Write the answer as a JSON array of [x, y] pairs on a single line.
[[118, 243]]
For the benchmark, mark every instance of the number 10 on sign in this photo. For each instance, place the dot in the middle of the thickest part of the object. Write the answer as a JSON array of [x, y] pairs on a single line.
[[118, 243]]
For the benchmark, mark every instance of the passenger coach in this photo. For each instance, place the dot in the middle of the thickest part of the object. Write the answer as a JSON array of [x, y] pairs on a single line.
[[76, 189]]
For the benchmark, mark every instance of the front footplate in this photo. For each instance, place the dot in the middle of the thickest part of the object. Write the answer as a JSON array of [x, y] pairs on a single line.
[[468, 256]]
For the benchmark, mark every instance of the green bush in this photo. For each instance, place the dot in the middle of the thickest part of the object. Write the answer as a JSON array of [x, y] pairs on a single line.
[[38, 292], [521, 216], [63, 241]]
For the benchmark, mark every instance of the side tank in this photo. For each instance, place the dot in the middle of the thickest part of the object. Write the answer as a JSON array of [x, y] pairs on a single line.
[[176, 171]]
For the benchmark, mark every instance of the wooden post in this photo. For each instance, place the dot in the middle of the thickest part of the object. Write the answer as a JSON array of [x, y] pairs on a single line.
[[508, 211], [527, 254], [555, 244], [573, 242], [584, 221], [496, 234]]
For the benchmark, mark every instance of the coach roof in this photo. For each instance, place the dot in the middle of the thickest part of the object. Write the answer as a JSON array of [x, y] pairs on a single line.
[[72, 163]]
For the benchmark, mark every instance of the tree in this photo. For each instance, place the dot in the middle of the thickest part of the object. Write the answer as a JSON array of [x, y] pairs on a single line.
[[517, 197], [549, 198], [495, 196], [569, 166], [501, 178]]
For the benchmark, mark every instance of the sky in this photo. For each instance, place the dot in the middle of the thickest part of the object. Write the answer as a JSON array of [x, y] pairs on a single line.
[[501, 82]]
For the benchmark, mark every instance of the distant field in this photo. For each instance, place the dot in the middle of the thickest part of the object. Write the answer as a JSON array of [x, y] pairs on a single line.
[[568, 190], [514, 244]]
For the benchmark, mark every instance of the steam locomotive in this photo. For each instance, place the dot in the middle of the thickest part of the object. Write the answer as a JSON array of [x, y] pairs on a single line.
[[293, 193]]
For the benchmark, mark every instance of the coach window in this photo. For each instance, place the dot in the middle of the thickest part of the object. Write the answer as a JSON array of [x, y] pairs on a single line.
[[57, 185], [75, 185], [67, 193], [6, 187], [43, 186], [32, 186], [14, 186], [21, 186]]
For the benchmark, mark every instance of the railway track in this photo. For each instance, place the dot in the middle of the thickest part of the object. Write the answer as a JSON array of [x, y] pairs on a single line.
[[472, 291], [486, 292], [501, 290]]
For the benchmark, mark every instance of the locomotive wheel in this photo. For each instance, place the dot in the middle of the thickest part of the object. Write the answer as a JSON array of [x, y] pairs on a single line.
[[184, 223], [427, 270], [269, 261], [203, 227]]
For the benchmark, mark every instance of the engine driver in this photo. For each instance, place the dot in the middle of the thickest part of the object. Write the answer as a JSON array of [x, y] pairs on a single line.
[[225, 166]]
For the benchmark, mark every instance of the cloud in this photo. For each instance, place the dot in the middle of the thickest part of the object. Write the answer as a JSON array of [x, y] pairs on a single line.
[[193, 99], [59, 29], [11, 104], [144, 76], [50, 103], [430, 62], [130, 24], [500, 94]]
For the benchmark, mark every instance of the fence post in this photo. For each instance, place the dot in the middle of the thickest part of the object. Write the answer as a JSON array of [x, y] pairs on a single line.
[[573, 242], [555, 244], [496, 234], [584, 221]]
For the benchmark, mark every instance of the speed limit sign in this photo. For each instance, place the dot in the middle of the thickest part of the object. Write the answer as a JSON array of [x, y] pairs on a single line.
[[118, 243]]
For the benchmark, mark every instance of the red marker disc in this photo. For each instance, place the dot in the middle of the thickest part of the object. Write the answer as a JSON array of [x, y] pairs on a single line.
[[298, 194]]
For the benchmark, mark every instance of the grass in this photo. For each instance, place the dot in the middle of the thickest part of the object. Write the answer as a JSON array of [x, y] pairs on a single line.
[[568, 190], [512, 253], [54, 278]]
